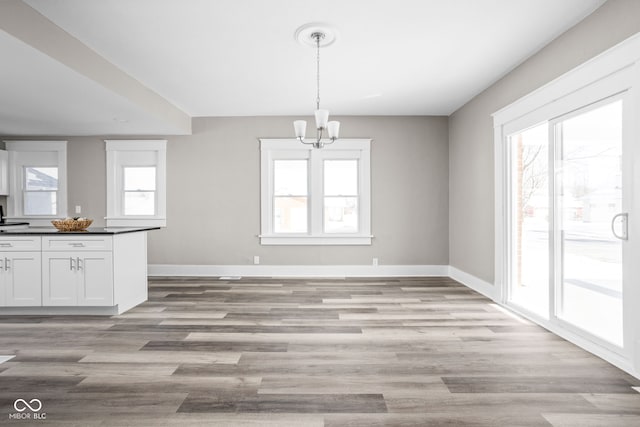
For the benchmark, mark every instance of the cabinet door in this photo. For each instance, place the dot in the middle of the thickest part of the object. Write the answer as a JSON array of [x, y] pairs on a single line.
[[3, 285], [21, 277], [59, 279], [4, 173], [96, 278]]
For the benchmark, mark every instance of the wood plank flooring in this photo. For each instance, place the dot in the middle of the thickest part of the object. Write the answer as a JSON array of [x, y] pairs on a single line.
[[275, 352]]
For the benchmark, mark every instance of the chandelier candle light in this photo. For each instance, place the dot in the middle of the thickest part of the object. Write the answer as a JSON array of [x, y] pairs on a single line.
[[320, 36]]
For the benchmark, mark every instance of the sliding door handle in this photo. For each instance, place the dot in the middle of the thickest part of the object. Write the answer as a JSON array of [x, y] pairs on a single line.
[[624, 221]]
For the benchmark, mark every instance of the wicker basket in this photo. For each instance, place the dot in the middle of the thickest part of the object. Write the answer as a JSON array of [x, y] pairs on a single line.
[[71, 224]]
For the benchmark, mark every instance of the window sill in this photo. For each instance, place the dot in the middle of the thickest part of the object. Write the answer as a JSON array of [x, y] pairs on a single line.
[[306, 240], [136, 222]]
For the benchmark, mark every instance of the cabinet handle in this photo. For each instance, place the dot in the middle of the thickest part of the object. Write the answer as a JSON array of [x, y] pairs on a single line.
[[1, 264], [6, 245], [79, 264], [77, 245], [71, 265], [6, 264]]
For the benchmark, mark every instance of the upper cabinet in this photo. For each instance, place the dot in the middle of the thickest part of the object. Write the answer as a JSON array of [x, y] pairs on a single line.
[[4, 173]]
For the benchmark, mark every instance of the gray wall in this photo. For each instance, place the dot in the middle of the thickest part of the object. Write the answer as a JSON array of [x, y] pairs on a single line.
[[86, 178], [213, 192], [471, 184]]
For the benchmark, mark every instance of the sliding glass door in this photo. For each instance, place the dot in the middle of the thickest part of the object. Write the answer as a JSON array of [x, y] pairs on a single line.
[[568, 221], [589, 199]]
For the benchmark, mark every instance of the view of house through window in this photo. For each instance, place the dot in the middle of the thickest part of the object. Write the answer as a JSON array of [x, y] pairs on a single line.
[[139, 190], [40, 190], [290, 200], [340, 196]]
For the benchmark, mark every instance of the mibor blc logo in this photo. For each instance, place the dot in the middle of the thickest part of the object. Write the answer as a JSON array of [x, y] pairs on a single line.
[[28, 410]]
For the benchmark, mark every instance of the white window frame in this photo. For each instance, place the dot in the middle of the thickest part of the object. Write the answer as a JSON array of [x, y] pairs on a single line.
[[344, 149], [35, 154], [135, 153]]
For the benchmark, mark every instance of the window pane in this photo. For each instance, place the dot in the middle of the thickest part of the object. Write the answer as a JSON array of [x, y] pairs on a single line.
[[340, 214], [591, 195], [140, 203], [340, 177], [290, 215], [530, 282], [40, 178], [40, 203], [290, 177], [140, 178]]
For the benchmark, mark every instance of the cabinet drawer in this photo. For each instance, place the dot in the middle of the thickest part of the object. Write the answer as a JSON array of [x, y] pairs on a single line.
[[20, 243], [77, 243]]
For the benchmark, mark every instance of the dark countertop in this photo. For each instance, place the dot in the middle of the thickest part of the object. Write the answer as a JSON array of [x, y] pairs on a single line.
[[13, 224], [89, 231]]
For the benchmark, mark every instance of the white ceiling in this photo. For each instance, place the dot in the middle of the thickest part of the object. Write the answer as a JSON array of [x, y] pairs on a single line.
[[239, 58]]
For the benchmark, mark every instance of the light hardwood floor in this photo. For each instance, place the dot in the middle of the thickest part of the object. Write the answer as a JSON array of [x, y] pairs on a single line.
[[274, 352]]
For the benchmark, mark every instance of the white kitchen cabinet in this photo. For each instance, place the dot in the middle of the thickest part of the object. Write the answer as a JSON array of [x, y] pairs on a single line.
[[20, 271], [4, 173], [100, 271], [77, 278], [96, 279], [20, 279], [59, 280]]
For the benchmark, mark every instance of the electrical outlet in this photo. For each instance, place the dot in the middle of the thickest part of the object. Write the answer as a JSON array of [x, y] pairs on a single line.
[[375, 262], [78, 209], [256, 259]]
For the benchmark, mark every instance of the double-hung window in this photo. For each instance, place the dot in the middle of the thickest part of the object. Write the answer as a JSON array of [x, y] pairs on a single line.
[[38, 181], [136, 183], [40, 190], [139, 190], [315, 196]]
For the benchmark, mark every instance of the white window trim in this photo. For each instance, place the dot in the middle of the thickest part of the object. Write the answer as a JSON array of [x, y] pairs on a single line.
[[15, 210], [116, 150], [292, 149]]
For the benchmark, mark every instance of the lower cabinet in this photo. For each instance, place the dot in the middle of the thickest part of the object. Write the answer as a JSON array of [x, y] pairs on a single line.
[[75, 273], [77, 278], [20, 279]]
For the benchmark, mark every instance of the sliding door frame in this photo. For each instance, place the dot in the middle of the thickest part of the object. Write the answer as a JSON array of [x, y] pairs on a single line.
[[615, 72]]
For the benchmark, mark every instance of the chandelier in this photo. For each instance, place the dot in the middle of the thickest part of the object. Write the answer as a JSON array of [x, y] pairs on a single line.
[[316, 34]]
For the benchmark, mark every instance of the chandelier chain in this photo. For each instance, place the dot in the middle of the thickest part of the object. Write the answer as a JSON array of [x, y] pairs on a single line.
[[318, 36]]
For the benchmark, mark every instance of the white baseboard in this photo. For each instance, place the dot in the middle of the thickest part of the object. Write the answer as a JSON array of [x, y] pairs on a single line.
[[174, 270], [471, 281], [55, 311], [299, 270]]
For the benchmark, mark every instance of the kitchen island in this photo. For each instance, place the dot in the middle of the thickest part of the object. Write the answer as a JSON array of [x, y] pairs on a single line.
[[94, 271]]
